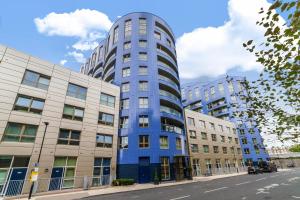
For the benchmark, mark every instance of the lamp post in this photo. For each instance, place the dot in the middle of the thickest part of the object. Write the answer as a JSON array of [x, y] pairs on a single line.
[[34, 173]]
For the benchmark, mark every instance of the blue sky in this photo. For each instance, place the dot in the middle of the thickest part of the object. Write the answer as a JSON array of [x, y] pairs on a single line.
[[194, 17]]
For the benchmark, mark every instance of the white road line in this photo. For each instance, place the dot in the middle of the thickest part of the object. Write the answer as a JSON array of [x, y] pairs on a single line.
[[181, 197], [274, 176], [222, 188], [243, 183], [261, 179], [296, 197]]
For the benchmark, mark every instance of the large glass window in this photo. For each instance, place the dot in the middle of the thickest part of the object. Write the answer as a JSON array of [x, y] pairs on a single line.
[[69, 167], [16, 132], [143, 121], [123, 142], [205, 148], [143, 85], [197, 92], [36, 80], [108, 100], [191, 121], [126, 58], [193, 134], [194, 148], [143, 70], [125, 104], [221, 88], [143, 102], [212, 91], [104, 141], [144, 141], [143, 43], [116, 35], [164, 142], [73, 112], [68, 137], [142, 26], [124, 122], [106, 119], [126, 72], [165, 168], [143, 56], [29, 104], [204, 136], [178, 144], [230, 87], [127, 28], [76, 91], [101, 172], [125, 87]]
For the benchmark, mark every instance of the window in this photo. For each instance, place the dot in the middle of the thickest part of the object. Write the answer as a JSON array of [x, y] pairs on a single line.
[[238, 150], [257, 150], [230, 139], [125, 87], [222, 138], [236, 140], [194, 148], [205, 148], [178, 144], [165, 168], [164, 143], [216, 149], [193, 134], [101, 171], [116, 35], [69, 167], [124, 122], [143, 70], [254, 140], [143, 121], [68, 137], [143, 43], [125, 104], [157, 35], [142, 26], [190, 95], [126, 72], [233, 99], [143, 86], [221, 128], [16, 132], [230, 87], [206, 95], [144, 141], [127, 28], [197, 92], [228, 129], [29, 104], [107, 100], [202, 124], [76, 91], [143, 102], [127, 45], [143, 56], [104, 141], [169, 42], [73, 113], [212, 91], [191, 121], [214, 137], [212, 125], [204, 136], [36, 80], [246, 151], [221, 88], [232, 150], [126, 58], [242, 131], [224, 150], [244, 141], [106, 119], [123, 142]]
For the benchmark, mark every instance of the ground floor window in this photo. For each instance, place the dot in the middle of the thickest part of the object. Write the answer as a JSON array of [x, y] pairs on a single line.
[[165, 168], [218, 164], [196, 167], [208, 165], [101, 172]]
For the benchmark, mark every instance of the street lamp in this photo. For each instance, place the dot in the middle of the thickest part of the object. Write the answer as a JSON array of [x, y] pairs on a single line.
[[34, 173]]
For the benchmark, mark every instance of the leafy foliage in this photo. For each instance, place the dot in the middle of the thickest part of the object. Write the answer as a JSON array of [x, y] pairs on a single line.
[[274, 99], [295, 148]]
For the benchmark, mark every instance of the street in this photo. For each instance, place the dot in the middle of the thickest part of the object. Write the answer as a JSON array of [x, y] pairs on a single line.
[[283, 185]]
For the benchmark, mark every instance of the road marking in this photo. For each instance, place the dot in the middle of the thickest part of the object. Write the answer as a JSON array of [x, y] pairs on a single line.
[[135, 197], [243, 183], [243, 198], [261, 179], [274, 176], [296, 197], [181, 197], [222, 188]]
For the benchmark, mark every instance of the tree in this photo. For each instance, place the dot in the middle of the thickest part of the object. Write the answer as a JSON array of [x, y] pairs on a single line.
[[274, 99], [295, 148]]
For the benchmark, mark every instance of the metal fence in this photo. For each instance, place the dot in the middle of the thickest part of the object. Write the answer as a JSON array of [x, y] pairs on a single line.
[[21, 188]]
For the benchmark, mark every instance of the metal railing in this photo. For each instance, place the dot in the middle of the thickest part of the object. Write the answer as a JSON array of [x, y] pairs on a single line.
[[20, 188], [218, 171]]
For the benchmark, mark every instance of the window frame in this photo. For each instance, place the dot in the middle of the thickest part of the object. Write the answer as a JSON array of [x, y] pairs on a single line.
[[29, 109], [69, 140], [37, 83]]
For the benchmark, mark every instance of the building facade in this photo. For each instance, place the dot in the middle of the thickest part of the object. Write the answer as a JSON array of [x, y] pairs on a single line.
[[81, 136], [221, 98], [139, 55], [213, 144]]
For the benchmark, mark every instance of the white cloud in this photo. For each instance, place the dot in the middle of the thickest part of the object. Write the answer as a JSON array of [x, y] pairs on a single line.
[[62, 62], [212, 51], [79, 57]]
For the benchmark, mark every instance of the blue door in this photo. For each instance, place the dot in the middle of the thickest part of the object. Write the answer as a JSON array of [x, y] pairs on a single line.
[[56, 178], [144, 170], [16, 181]]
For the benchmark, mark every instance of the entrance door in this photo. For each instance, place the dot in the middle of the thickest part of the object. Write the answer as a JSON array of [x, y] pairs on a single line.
[[16, 181], [180, 167], [144, 170], [56, 178]]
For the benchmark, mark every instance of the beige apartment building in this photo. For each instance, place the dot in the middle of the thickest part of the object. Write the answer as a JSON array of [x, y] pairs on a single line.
[[81, 136], [213, 144]]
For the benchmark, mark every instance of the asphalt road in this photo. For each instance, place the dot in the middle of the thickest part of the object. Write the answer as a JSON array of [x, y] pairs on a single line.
[[269, 186]]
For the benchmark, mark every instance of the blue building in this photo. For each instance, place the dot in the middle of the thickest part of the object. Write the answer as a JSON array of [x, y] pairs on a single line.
[[139, 55], [220, 98]]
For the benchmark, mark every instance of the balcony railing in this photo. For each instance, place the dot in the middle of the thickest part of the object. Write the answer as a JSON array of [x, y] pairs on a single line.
[[160, 77], [171, 128], [168, 94]]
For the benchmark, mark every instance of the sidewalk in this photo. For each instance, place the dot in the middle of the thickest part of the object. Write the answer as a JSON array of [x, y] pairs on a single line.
[[117, 189]]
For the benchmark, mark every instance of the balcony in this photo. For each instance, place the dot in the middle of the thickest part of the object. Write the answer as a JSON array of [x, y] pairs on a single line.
[[166, 52], [170, 125]]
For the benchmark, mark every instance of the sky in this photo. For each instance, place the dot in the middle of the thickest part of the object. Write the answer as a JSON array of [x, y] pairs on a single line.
[[209, 33]]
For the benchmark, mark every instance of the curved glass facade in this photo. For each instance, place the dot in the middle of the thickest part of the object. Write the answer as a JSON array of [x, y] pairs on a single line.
[[139, 55]]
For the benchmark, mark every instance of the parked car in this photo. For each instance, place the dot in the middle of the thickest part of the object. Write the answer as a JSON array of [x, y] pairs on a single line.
[[254, 170], [291, 165], [268, 166]]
